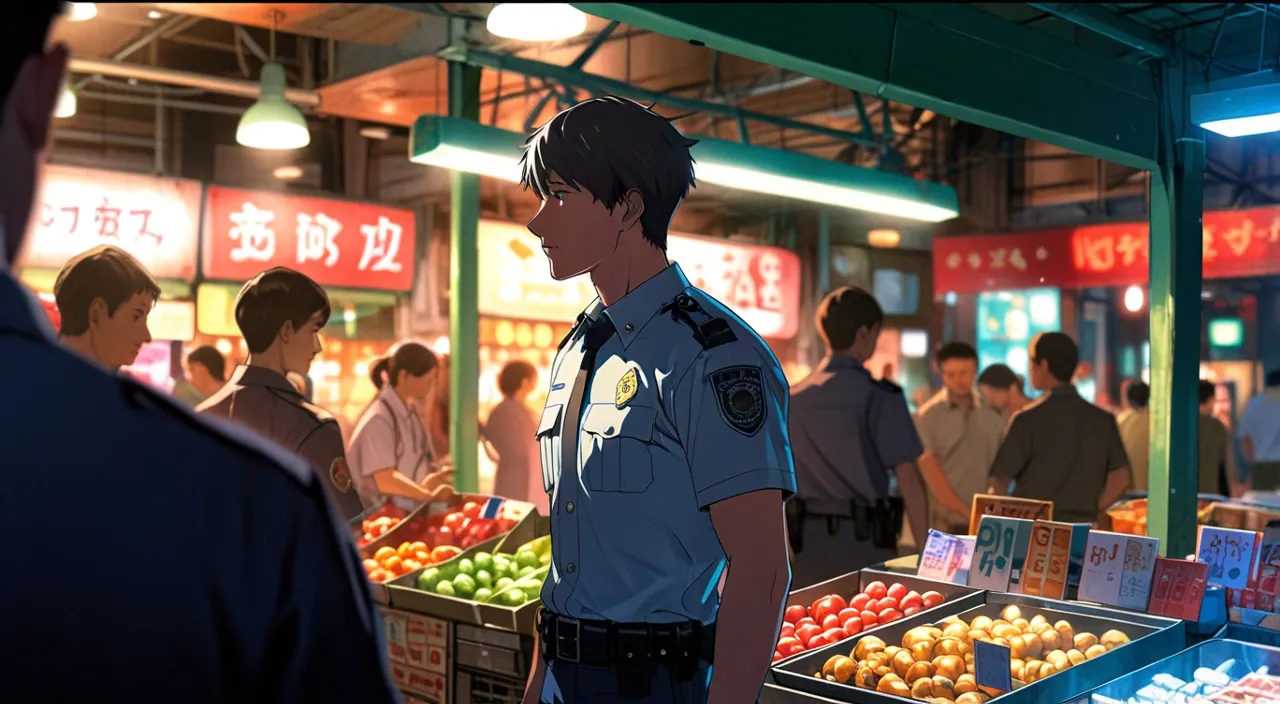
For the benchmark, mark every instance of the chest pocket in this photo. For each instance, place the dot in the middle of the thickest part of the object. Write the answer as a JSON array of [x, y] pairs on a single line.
[[617, 448], [549, 443]]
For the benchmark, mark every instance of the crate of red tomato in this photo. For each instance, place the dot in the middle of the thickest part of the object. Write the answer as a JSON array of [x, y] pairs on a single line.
[[855, 603]]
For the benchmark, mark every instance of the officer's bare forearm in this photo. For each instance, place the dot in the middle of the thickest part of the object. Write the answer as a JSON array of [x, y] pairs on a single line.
[[392, 483], [537, 671], [752, 531], [916, 497]]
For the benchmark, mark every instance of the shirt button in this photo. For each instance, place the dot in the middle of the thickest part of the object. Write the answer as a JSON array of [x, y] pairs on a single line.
[[569, 507], [628, 327], [571, 568]]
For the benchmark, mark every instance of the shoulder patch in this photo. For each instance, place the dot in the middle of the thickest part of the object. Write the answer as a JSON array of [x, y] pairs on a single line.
[[340, 475], [740, 396]]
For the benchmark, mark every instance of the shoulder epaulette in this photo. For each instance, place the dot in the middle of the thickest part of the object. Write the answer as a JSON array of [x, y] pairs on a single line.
[[710, 333]]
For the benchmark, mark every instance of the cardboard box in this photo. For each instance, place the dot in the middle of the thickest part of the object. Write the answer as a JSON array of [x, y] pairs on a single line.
[[430, 686]]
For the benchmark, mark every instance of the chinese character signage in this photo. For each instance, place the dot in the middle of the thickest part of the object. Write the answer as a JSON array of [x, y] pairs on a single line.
[[338, 243], [761, 284], [155, 219], [1236, 244], [1177, 589]]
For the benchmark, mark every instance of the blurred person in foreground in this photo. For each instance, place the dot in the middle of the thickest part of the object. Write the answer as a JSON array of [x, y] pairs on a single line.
[[1003, 390], [1060, 447], [511, 432], [1259, 434], [1216, 470], [1135, 431], [851, 435], [206, 372], [263, 597], [961, 435], [105, 296]]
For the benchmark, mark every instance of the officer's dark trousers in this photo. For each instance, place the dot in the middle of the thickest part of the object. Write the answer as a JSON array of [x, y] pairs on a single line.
[[567, 683], [824, 556]]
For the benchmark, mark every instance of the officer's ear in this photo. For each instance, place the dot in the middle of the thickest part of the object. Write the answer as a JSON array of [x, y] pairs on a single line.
[[97, 312], [286, 332], [632, 207]]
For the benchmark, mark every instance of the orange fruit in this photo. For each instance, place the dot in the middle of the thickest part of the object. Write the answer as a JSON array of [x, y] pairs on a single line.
[[392, 564], [422, 556], [411, 566], [403, 551], [383, 553], [444, 552], [418, 546], [370, 565]]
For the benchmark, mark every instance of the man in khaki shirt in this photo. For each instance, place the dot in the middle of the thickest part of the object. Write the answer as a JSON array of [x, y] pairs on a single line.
[[1135, 431], [961, 435]]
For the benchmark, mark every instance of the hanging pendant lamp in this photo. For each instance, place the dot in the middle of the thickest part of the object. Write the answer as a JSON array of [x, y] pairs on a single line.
[[273, 122]]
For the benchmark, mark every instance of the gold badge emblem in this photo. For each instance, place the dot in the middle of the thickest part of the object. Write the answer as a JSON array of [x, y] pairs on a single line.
[[339, 475], [627, 387]]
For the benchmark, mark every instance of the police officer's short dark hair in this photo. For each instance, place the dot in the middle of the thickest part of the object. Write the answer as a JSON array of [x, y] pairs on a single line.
[[105, 272], [608, 146], [514, 374], [276, 296], [1000, 376], [1207, 391], [956, 350], [210, 358], [843, 313], [1059, 352], [23, 34], [1138, 394]]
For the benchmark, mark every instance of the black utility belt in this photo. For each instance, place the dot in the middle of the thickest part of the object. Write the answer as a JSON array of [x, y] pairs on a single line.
[[879, 523], [683, 647]]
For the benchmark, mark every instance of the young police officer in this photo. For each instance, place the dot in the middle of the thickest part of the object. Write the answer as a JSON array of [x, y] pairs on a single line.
[[664, 437], [216, 574], [104, 297], [280, 313], [849, 432]]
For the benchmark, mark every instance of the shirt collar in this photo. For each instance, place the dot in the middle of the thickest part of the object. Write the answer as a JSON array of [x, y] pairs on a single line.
[[20, 310], [633, 311], [397, 404], [975, 398], [1064, 390], [249, 375], [833, 362]]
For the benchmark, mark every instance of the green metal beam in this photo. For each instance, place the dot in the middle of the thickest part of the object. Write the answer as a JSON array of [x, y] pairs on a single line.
[[1177, 204], [1099, 20], [464, 294], [951, 58]]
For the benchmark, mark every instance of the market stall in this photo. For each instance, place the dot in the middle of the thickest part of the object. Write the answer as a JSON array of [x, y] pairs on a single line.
[[156, 219], [361, 253]]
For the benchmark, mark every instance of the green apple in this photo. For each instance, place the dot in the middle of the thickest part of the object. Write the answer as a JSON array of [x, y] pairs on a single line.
[[483, 594], [445, 589], [464, 585], [483, 578], [466, 566], [429, 578], [484, 561]]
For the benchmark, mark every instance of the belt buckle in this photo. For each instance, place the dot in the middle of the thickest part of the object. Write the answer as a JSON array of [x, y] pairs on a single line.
[[561, 651]]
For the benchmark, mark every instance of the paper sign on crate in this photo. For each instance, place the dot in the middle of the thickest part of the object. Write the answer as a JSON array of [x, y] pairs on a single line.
[[1044, 573], [1230, 555], [1104, 577], [998, 552], [1007, 507], [946, 557], [1177, 588]]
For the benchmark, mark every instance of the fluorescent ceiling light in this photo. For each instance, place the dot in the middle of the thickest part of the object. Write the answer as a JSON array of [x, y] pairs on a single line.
[[536, 22], [464, 145], [81, 11], [1241, 106], [273, 122]]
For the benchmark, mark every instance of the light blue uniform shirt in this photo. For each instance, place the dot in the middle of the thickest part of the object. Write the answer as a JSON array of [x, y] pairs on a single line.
[[663, 429]]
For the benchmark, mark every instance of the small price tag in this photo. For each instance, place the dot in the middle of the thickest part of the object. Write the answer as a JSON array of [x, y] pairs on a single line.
[[492, 507], [1044, 572], [1230, 555], [991, 666]]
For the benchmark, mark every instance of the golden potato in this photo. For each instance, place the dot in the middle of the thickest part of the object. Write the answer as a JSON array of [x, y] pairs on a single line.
[[952, 619], [1075, 656], [893, 686], [1095, 651], [974, 697], [1058, 659], [1038, 621], [1046, 670], [1084, 641], [844, 670], [1114, 639], [1005, 630], [971, 668], [944, 688], [830, 665], [1022, 624], [867, 646], [921, 633], [880, 659], [955, 630], [976, 636], [922, 650], [922, 688], [1051, 639], [902, 662], [892, 650], [883, 671], [1016, 668], [965, 684], [1000, 641], [951, 646], [865, 678], [949, 666], [1010, 613], [1033, 644], [981, 623], [1065, 630], [1017, 647], [918, 670]]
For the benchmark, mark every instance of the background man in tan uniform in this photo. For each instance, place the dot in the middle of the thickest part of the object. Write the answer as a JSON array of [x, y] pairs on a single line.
[[280, 313]]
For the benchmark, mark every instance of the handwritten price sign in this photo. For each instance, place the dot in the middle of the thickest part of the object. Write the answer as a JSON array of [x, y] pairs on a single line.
[[1177, 589], [1048, 556], [1230, 554], [946, 557], [998, 552], [1117, 569], [1135, 576], [1007, 507]]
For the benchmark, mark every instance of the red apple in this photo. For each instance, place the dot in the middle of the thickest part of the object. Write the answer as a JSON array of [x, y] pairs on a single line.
[[790, 630], [795, 649], [897, 591], [910, 610], [806, 621], [859, 602], [886, 603], [831, 604], [818, 641], [794, 613], [870, 619], [836, 634], [853, 626], [804, 633], [889, 616], [932, 599], [831, 621], [876, 590]]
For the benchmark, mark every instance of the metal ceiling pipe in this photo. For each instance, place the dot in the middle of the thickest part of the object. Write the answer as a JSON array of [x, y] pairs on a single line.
[[213, 84], [151, 102], [1101, 21]]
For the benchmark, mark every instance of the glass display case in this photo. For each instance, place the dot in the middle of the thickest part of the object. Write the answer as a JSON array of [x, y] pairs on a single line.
[[1215, 671], [1007, 322]]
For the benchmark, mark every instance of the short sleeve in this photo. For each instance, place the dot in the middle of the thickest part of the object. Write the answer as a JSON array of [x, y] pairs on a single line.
[[1117, 458], [1015, 452], [730, 412], [924, 426], [892, 431], [373, 449]]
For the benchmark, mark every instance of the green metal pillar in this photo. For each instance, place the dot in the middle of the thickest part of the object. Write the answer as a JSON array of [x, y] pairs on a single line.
[[464, 294], [1177, 204]]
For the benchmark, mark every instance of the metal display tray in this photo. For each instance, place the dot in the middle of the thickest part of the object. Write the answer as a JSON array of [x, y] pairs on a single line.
[[1151, 639], [1256, 635], [854, 582], [1247, 657]]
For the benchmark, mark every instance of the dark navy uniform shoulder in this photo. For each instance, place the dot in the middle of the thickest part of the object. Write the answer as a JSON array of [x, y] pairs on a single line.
[[313, 411], [708, 320], [889, 386]]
